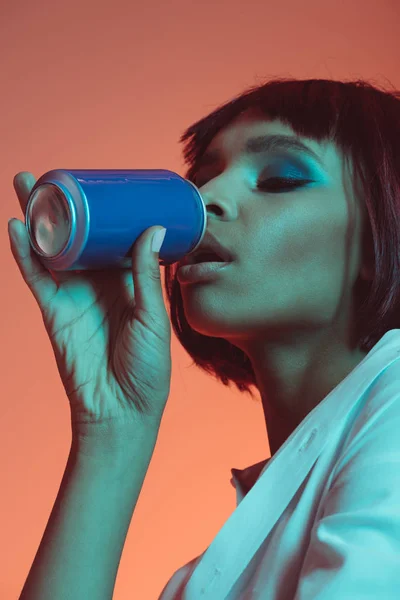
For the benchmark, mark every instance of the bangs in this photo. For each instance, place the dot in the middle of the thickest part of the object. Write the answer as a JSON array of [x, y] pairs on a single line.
[[313, 108]]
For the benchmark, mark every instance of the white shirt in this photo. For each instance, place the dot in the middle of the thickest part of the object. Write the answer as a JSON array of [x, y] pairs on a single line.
[[320, 520]]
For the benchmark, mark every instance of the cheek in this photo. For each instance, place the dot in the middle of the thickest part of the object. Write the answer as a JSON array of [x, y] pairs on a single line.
[[305, 232], [304, 246]]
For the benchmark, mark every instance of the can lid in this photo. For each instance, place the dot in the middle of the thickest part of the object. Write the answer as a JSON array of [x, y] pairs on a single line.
[[48, 220]]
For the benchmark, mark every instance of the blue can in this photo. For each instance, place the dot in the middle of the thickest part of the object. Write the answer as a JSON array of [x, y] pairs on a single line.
[[90, 219]]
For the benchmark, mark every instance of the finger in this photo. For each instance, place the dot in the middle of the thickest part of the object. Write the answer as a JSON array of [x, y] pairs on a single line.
[[23, 183], [35, 275], [146, 276]]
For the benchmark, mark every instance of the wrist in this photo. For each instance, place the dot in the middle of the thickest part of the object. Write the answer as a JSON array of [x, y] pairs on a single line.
[[111, 444]]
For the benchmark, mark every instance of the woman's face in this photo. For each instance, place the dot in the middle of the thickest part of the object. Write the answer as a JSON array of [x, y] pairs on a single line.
[[298, 247]]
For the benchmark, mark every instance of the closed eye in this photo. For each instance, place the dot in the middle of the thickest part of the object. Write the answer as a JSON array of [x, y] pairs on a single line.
[[273, 183], [279, 183]]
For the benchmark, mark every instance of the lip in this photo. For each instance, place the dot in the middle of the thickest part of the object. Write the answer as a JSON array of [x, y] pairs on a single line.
[[210, 244], [200, 271]]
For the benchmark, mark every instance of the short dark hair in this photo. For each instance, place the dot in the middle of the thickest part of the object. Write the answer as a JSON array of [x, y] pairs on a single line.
[[364, 122]]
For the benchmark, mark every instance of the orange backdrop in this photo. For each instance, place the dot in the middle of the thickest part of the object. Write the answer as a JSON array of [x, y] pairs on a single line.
[[112, 85]]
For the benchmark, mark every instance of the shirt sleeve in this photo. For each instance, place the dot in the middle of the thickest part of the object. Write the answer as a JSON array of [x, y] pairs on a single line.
[[354, 549]]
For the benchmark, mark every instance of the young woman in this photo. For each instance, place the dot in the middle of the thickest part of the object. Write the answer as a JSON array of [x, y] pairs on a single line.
[[301, 180]]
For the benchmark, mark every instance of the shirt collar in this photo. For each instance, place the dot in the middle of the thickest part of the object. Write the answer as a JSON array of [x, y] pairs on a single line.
[[244, 479]]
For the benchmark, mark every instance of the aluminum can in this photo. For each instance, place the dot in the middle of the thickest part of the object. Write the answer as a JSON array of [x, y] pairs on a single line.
[[81, 219]]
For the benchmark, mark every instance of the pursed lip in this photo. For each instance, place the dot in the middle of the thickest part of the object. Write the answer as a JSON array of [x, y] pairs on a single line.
[[209, 244]]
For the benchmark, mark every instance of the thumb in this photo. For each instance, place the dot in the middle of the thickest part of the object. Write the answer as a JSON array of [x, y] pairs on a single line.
[[146, 272]]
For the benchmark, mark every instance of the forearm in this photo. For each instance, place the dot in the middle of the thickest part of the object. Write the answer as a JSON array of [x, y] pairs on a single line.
[[81, 547]]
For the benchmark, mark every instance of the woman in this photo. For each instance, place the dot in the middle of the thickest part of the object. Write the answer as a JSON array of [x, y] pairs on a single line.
[[301, 180], [313, 287]]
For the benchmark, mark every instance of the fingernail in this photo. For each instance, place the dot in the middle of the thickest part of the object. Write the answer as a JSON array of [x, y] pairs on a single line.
[[158, 239]]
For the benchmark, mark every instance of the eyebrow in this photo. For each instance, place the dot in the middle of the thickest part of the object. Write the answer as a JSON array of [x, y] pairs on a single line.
[[263, 144]]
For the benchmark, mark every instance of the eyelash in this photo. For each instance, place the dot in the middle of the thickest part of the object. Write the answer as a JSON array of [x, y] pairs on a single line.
[[266, 183], [290, 183]]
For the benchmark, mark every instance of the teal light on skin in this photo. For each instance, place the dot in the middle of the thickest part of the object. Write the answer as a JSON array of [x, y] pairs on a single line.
[[287, 301]]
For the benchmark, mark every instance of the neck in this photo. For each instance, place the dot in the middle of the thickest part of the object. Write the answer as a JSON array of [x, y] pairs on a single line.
[[294, 379]]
